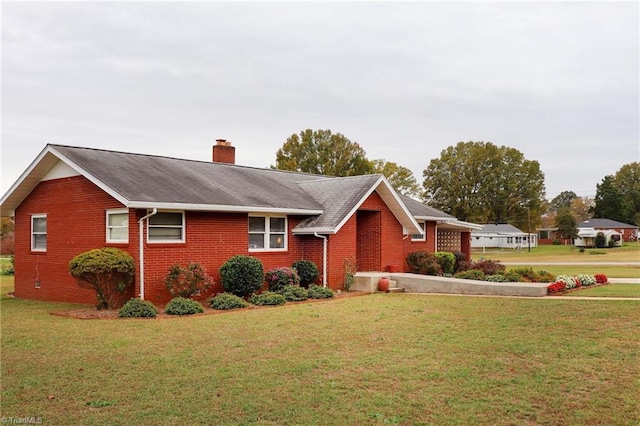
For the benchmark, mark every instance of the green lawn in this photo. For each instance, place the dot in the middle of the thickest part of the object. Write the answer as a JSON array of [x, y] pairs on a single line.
[[378, 359], [629, 252], [608, 270], [609, 290]]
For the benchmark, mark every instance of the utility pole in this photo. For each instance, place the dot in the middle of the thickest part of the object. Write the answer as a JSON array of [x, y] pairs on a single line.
[[529, 227]]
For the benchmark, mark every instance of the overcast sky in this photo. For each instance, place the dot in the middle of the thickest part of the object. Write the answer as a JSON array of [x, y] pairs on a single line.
[[557, 81]]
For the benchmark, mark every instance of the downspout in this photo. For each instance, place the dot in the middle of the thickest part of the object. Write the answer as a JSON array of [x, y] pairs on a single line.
[[324, 258], [141, 233]]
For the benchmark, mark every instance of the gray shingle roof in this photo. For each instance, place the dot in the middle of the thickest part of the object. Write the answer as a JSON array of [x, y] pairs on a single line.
[[155, 179], [339, 196], [604, 223], [501, 228], [421, 210]]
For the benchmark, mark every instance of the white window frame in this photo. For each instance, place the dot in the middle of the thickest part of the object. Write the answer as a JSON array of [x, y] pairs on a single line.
[[34, 233], [423, 237], [183, 229], [110, 227], [267, 233]]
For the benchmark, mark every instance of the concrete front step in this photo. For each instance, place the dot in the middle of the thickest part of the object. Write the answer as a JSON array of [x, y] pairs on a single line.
[[395, 290]]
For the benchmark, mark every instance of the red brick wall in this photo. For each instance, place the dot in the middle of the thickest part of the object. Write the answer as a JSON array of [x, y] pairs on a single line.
[[75, 211], [76, 222]]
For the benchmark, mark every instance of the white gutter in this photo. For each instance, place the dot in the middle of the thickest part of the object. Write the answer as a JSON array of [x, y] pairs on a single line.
[[141, 233], [324, 258]]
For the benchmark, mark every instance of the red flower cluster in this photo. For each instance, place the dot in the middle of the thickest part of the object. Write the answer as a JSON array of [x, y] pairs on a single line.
[[555, 288], [601, 278]]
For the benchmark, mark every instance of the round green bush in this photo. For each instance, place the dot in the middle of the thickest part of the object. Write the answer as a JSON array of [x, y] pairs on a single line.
[[226, 301], [307, 271], [268, 298], [278, 278], [294, 293], [109, 271], [183, 306], [318, 292], [242, 275], [138, 308], [446, 260], [497, 278]]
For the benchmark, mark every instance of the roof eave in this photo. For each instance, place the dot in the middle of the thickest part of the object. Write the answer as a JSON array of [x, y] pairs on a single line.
[[221, 208]]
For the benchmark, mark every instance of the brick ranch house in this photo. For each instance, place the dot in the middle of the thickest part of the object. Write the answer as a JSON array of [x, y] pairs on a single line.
[[166, 210]]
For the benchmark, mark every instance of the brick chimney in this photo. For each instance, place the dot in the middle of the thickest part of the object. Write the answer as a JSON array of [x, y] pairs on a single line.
[[224, 152]]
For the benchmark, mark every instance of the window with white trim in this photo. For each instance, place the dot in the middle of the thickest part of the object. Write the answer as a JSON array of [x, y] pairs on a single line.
[[267, 233], [419, 237], [39, 232], [166, 227], [118, 226]]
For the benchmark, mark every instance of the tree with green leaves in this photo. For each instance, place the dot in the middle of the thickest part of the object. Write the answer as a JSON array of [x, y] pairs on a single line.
[[566, 224], [610, 202], [322, 152], [564, 199], [627, 180], [482, 182], [401, 178]]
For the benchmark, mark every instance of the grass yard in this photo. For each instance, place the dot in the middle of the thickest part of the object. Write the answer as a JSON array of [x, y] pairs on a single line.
[[609, 270], [609, 290], [630, 252], [378, 359]]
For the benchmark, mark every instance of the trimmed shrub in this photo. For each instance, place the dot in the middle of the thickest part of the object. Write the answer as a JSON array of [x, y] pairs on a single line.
[[461, 261], [600, 240], [556, 242], [187, 281], [422, 262], [278, 278], [545, 277], [307, 271], [488, 267], [138, 308], [268, 298], [226, 301], [498, 278], [183, 306], [294, 293], [511, 276], [242, 275], [446, 260], [109, 271], [471, 274], [318, 292]]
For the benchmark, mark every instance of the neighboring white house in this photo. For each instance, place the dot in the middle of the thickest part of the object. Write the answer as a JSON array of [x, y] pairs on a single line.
[[587, 237], [502, 236]]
